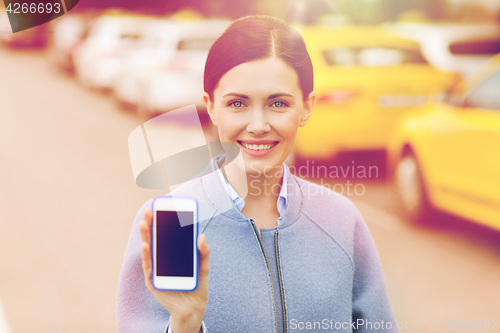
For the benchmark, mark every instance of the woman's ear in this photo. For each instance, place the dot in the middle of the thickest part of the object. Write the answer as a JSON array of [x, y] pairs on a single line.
[[308, 107], [210, 108]]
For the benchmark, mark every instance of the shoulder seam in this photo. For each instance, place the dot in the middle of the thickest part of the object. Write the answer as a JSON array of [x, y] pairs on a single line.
[[332, 238], [210, 220]]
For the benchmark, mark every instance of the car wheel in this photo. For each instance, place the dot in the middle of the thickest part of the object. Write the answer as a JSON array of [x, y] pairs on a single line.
[[411, 190]]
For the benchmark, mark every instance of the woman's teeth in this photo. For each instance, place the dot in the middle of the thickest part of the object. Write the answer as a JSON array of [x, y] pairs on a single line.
[[257, 147]]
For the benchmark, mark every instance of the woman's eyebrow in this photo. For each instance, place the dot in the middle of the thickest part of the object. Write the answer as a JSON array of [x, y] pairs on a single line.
[[279, 95], [237, 95], [270, 96]]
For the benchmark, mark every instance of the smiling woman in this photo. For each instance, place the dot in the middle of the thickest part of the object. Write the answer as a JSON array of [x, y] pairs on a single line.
[[299, 254], [265, 108]]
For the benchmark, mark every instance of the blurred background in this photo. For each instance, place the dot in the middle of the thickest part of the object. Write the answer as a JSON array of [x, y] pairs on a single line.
[[409, 90]]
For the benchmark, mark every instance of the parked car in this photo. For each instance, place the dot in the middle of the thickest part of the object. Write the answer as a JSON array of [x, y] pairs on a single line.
[[447, 156], [453, 47], [157, 45], [69, 31], [178, 80], [365, 79], [111, 39]]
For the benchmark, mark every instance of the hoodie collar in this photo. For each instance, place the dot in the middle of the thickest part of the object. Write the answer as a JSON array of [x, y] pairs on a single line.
[[219, 198]]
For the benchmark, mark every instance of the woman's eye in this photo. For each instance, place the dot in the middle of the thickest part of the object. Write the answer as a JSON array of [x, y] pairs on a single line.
[[279, 104], [237, 104]]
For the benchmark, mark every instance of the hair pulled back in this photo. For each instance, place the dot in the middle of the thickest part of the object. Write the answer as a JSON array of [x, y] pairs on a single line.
[[253, 38]]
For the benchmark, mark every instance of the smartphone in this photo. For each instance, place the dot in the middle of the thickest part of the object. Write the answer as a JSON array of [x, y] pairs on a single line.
[[174, 236]]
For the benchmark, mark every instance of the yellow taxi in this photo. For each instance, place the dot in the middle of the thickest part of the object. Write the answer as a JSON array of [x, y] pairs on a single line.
[[447, 156], [365, 78]]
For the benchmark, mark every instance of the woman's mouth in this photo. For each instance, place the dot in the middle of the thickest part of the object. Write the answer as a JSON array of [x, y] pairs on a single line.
[[258, 149]]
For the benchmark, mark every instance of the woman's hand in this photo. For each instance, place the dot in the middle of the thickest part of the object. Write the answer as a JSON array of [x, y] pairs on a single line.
[[186, 308]]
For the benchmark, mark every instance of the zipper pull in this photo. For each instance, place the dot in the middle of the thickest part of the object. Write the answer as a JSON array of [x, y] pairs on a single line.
[[252, 221]]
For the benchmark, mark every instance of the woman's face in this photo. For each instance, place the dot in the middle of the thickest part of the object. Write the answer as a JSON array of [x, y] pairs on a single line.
[[259, 106]]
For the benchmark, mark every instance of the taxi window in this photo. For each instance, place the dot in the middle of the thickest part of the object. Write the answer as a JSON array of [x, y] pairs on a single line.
[[371, 56], [486, 95]]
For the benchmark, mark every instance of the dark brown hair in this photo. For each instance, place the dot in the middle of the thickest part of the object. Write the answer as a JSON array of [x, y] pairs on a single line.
[[258, 37]]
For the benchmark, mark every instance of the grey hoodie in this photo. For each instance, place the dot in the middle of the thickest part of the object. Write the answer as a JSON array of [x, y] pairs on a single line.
[[329, 277]]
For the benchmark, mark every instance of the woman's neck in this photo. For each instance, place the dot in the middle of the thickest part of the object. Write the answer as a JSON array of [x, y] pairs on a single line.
[[256, 187]]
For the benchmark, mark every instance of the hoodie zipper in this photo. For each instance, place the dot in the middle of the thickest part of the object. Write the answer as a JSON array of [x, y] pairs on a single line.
[[279, 279], [269, 272]]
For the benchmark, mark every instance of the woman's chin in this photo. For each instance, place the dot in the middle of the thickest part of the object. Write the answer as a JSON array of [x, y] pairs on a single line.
[[258, 167]]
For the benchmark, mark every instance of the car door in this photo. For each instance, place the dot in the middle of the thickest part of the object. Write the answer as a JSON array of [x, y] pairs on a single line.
[[467, 151]]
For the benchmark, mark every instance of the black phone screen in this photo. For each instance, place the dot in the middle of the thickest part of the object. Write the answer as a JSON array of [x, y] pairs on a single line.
[[174, 243]]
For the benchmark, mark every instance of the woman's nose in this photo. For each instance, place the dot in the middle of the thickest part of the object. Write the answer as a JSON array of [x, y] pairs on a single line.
[[258, 123]]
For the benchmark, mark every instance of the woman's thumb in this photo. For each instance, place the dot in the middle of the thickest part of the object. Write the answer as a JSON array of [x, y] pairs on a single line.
[[204, 251]]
